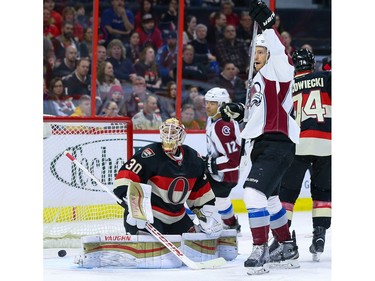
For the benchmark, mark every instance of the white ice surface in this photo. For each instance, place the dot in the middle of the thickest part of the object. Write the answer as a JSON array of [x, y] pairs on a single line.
[[63, 269]]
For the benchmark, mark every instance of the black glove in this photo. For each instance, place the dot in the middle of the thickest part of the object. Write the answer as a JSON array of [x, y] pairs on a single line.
[[232, 110], [262, 14], [211, 165]]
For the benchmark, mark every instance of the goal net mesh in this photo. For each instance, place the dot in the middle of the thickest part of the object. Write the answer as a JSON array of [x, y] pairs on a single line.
[[73, 204]]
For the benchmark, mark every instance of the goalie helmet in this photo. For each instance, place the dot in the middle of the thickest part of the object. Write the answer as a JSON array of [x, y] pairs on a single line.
[[172, 134], [303, 59]]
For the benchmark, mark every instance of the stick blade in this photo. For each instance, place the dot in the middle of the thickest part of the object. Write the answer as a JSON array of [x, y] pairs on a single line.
[[211, 263]]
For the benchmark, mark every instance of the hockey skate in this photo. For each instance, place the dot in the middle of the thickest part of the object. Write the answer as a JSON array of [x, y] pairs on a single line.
[[317, 246], [284, 254], [234, 225], [257, 262]]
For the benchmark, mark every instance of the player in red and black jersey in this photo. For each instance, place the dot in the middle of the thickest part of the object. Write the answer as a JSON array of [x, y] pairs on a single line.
[[312, 106], [176, 173]]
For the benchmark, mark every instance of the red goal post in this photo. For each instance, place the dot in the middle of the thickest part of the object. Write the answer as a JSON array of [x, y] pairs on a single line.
[[73, 205]]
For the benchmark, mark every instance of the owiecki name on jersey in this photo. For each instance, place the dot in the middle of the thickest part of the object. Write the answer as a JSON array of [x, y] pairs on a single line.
[[305, 84]]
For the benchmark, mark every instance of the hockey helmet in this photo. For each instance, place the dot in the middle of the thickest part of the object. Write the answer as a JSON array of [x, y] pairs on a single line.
[[172, 134], [303, 59], [260, 41], [217, 94]]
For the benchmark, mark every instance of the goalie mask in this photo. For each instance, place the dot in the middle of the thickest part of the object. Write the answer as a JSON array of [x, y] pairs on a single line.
[[220, 95], [303, 59], [172, 135]]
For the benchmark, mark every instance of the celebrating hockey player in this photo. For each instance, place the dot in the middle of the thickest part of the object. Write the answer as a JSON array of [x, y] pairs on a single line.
[[223, 154], [274, 134], [176, 175], [312, 105]]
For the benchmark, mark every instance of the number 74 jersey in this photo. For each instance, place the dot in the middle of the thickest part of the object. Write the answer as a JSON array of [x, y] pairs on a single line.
[[312, 106]]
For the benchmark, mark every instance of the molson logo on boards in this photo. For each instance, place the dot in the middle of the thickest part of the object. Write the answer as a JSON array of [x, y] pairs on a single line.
[[103, 158]]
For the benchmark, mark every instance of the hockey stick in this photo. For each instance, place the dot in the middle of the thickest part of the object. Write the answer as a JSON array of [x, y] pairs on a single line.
[[169, 245], [249, 80]]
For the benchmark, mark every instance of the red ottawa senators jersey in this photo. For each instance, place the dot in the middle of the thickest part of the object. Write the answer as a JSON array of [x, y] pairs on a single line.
[[173, 181], [312, 106]]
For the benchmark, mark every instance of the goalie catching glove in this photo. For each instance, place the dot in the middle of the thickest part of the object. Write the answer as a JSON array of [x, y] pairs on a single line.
[[232, 110], [262, 14], [209, 220]]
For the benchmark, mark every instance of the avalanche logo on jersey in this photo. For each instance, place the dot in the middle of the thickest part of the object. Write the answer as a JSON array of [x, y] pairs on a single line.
[[225, 131], [148, 152], [256, 94]]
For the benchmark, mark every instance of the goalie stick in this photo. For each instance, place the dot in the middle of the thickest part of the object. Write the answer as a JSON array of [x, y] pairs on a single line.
[[169, 245]]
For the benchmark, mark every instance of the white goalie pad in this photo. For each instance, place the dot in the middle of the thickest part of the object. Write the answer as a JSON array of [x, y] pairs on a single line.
[[139, 201], [228, 244], [199, 247], [127, 251]]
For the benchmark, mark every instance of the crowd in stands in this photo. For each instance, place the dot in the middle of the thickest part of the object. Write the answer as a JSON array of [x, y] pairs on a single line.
[[137, 52]]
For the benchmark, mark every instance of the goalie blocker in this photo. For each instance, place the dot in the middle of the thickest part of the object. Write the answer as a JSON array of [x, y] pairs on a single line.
[[145, 251]]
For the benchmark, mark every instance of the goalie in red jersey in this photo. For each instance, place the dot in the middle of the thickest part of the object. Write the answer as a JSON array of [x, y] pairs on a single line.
[[175, 175]]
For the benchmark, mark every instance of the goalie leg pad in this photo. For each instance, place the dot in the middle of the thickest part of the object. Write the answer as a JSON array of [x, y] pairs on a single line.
[[228, 244], [128, 251], [199, 247]]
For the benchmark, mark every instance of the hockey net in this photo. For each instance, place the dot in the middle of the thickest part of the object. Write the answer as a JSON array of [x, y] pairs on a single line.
[[73, 204]]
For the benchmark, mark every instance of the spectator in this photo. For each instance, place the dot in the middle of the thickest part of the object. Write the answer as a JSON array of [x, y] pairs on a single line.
[[102, 53], [193, 91], [200, 43], [287, 39], [57, 101], [187, 117], [110, 109], [191, 69], [189, 29], [146, 67], [278, 25], [307, 46], [202, 51], [64, 40], [200, 111], [147, 119], [68, 64], [105, 80], [84, 106], [78, 83], [145, 7], [134, 102], [167, 103], [166, 57], [123, 67], [85, 46], [49, 59], [132, 48], [69, 14], [149, 33], [118, 21], [245, 28], [235, 86], [49, 29], [232, 17], [169, 20], [81, 15], [103, 34], [56, 16], [233, 49], [116, 94], [215, 31]]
